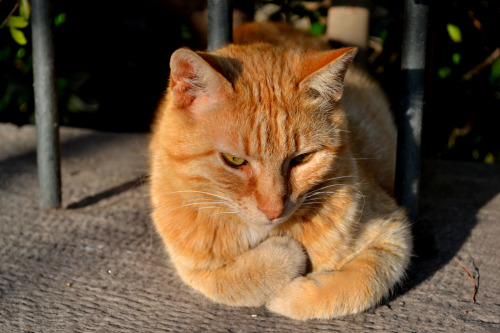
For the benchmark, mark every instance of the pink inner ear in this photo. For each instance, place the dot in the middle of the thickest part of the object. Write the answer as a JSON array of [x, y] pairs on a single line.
[[194, 82], [182, 79]]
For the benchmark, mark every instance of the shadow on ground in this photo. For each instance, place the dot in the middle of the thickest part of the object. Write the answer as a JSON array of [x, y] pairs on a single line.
[[450, 200]]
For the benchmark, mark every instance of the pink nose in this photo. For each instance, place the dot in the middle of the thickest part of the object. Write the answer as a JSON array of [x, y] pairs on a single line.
[[272, 211]]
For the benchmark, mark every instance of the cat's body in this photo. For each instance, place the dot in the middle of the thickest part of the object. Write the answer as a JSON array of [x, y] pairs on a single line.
[[271, 184]]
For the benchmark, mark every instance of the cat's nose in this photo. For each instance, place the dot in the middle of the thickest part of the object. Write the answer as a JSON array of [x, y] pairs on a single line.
[[272, 210]]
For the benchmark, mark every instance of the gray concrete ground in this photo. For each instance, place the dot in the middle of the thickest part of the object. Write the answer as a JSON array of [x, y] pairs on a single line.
[[98, 266]]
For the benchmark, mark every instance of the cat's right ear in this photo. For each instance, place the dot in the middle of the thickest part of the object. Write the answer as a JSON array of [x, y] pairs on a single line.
[[323, 72], [194, 83]]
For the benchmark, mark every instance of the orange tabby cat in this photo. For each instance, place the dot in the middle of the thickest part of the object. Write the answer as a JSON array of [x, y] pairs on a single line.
[[271, 180]]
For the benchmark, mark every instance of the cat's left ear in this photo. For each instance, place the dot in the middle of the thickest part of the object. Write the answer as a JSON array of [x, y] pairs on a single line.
[[324, 71], [194, 82]]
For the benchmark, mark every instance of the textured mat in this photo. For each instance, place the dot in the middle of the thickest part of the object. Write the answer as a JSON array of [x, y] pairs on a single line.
[[98, 266]]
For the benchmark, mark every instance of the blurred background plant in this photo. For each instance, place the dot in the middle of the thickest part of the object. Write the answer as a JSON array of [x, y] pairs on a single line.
[[112, 62], [17, 22]]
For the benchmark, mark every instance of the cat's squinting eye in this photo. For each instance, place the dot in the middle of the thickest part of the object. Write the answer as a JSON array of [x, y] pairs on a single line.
[[302, 158], [233, 160]]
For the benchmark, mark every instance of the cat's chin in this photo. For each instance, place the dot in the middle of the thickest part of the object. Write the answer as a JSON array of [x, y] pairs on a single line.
[[266, 223]]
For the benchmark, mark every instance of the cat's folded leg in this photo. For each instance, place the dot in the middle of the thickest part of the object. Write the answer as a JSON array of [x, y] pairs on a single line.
[[253, 277], [357, 286]]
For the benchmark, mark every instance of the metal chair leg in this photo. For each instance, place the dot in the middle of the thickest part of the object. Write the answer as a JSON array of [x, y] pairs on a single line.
[[220, 23], [410, 118], [46, 112]]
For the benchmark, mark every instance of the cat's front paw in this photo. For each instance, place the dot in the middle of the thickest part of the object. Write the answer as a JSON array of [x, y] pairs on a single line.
[[322, 295], [282, 259], [293, 300]]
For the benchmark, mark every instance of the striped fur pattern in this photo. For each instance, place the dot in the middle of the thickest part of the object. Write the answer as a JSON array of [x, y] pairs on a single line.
[[306, 225]]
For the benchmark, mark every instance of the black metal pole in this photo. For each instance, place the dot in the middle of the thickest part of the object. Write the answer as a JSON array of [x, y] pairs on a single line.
[[46, 113], [410, 118], [220, 23]]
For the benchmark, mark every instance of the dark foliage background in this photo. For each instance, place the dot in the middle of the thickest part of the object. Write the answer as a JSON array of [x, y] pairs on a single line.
[[112, 64]]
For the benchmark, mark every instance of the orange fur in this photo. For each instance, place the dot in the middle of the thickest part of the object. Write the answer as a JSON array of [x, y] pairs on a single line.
[[247, 235]]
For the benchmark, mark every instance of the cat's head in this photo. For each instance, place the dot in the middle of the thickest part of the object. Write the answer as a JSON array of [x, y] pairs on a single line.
[[252, 129]]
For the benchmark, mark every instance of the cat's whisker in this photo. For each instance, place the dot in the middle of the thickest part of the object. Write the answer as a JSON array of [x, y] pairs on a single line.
[[319, 192], [356, 158], [315, 198], [315, 201], [200, 192], [166, 208], [331, 185], [169, 205], [319, 199], [188, 199], [195, 209], [223, 213], [214, 195], [209, 207], [338, 177], [194, 198], [341, 130], [202, 203], [316, 194], [360, 212], [191, 199], [218, 191]]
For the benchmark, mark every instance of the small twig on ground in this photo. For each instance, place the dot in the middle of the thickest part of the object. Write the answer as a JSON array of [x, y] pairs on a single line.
[[471, 278], [478, 276]]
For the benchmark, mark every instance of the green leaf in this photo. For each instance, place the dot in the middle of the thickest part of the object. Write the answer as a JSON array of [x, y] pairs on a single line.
[[317, 29], [454, 32], [59, 19], [20, 53], [455, 57], [25, 9], [489, 158], [383, 35], [18, 36], [475, 154], [185, 33], [444, 72], [17, 22], [495, 72]]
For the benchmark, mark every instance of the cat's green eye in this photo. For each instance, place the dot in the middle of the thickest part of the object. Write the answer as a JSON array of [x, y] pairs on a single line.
[[302, 158], [233, 160]]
